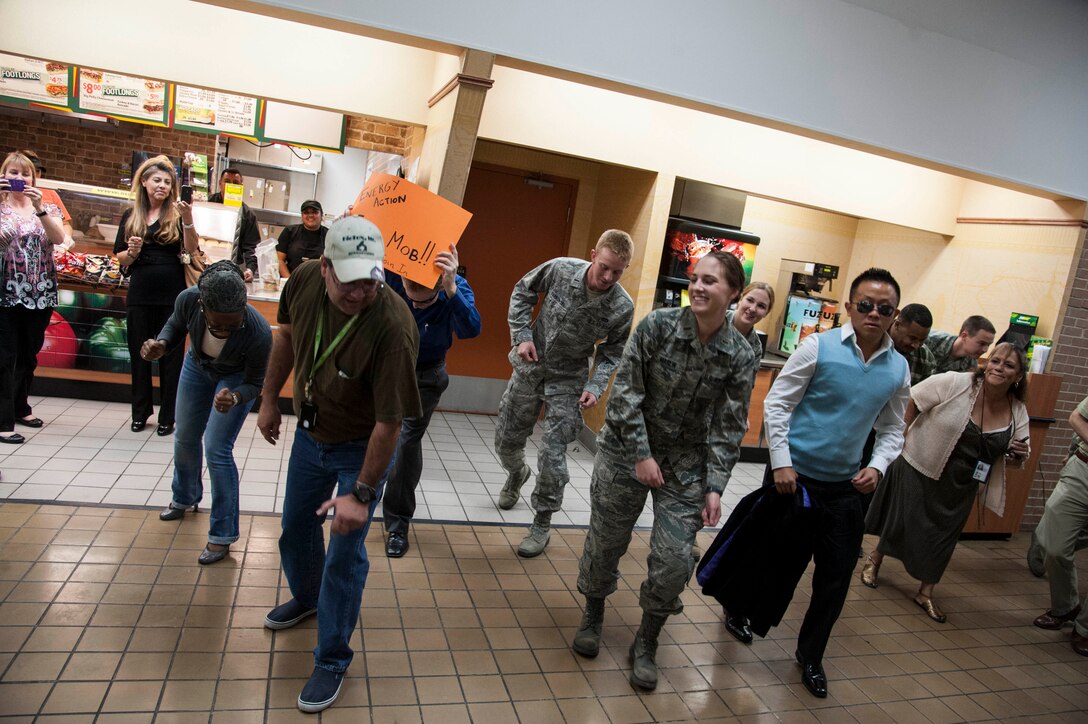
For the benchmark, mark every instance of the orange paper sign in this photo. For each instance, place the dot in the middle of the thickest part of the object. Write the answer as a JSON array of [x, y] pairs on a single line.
[[415, 223]]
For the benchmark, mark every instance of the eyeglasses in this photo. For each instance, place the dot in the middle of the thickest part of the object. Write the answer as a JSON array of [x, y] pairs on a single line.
[[865, 306], [225, 331]]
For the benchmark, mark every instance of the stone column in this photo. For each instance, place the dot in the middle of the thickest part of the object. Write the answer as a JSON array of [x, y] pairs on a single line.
[[452, 123]]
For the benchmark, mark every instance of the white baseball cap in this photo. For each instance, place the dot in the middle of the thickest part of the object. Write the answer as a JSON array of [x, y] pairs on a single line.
[[355, 248]]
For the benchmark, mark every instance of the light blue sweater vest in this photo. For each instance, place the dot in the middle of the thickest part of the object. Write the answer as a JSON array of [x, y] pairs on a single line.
[[829, 426]]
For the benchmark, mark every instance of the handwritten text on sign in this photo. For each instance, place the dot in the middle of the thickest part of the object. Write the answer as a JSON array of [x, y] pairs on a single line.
[[415, 223]]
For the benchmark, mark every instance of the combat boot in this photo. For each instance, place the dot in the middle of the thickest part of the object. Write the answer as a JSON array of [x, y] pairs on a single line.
[[537, 539], [587, 639], [511, 491], [644, 650]]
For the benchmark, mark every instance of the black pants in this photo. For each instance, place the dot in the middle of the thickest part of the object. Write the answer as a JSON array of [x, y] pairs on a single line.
[[835, 555], [144, 322], [399, 503], [22, 332]]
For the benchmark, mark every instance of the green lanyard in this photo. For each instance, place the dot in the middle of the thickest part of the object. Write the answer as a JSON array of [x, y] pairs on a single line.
[[319, 360]]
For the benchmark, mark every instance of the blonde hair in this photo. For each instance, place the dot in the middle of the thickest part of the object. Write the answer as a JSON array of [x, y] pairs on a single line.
[[618, 242], [24, 164], [141, 206], [765, 287]]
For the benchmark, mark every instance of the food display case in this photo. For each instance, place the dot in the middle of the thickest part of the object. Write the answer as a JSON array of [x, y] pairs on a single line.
[[86, 341]]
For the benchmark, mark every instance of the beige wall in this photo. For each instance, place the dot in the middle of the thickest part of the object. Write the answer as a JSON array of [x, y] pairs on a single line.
[[988, 269], [541, 112], [788, 231]]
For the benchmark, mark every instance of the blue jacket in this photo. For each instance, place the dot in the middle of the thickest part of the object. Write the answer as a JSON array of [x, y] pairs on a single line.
[[440, 321], [246, 349]]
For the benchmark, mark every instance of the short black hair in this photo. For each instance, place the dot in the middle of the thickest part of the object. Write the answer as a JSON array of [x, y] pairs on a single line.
[[977, 323], [917, 314], [222, 288], [875, 274], [231, 169]]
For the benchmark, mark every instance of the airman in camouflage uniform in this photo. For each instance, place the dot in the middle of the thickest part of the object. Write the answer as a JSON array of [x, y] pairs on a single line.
[[584, 310], [684, 404], [959, 352]]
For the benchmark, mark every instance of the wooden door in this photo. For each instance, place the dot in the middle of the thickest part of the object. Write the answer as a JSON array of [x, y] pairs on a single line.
[[515, 226]]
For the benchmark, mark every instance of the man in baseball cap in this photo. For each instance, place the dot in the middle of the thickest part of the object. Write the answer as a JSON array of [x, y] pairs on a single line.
[[352, 344]]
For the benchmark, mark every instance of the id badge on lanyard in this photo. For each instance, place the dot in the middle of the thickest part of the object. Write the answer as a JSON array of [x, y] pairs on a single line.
[[307, 413]]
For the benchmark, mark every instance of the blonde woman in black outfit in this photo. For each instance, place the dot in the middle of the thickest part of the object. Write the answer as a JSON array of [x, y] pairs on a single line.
[[151, 236]]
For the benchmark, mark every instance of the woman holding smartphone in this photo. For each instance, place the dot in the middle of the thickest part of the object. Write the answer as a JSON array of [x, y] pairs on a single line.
[[29, 228], [150, 239], [963, 429]]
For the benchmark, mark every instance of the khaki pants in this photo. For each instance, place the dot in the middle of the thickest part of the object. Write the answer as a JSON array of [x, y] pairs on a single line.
[[1064, 519]]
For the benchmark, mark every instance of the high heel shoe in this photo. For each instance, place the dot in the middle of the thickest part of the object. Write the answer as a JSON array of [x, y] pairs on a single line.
[[927, 605], [869, 571]]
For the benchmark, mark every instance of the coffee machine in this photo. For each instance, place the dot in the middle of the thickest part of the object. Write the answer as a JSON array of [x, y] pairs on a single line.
[[805, 311]]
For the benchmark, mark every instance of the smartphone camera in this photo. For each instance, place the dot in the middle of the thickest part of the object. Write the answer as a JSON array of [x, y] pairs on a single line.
[[17, 184], [187, 194]]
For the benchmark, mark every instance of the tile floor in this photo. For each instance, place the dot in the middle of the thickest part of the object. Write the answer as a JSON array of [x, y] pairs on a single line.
[[87, 454], [105, 616]]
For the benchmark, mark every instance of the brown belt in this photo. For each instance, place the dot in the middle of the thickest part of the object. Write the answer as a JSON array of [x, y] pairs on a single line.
[[1081, 455]]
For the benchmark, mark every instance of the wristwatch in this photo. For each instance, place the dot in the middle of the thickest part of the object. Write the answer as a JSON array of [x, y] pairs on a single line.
[[236, 398], [41, 214], [364, 493]]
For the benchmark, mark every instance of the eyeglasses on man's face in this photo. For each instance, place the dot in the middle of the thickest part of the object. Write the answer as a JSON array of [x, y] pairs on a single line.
[[865, 306]]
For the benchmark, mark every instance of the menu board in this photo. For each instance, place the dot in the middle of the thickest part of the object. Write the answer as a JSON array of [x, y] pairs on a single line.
[[208, 111], [123, 96], [27, 80]]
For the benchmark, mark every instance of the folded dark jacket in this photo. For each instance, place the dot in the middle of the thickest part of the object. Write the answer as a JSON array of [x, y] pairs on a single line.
[[755, 563]]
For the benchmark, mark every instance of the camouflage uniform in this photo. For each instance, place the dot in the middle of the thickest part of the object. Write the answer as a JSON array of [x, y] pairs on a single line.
[[922, 363], [686, 406], [940, 345], [565, 333]]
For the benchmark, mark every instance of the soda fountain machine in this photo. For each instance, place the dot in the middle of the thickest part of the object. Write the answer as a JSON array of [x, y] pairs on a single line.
[[800, 284]]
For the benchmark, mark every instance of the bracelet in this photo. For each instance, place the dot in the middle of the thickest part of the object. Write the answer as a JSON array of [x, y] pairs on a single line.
[[40, 214], [186, 226]]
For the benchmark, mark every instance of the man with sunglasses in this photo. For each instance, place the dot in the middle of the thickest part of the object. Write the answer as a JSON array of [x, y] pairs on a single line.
[[441, 312], [352, 343], [220, 379], [832, 391]]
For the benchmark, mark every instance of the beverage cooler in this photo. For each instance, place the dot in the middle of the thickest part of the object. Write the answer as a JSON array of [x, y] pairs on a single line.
[[688, 241]]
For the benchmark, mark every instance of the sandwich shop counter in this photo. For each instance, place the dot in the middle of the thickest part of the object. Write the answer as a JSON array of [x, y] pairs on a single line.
[[85, 354]]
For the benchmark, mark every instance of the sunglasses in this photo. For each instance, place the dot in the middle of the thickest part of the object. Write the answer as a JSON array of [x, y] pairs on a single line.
[[865, 306]]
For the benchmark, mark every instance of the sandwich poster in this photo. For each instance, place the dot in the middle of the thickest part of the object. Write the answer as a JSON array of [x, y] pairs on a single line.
[[207, 111], [123, 96], [415, 223], [24, 81]]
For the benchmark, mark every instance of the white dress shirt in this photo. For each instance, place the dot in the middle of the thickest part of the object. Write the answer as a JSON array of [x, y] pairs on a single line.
[[790, 385]]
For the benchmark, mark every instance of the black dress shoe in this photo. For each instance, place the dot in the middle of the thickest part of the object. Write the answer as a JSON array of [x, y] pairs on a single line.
[[397, 545], [13, 439], [813, 677], [32, 422], [172, 513], [164, 430], [740, 627], [138, 425]]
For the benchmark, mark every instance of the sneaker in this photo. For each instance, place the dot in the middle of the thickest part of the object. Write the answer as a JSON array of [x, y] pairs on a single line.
[[321, 690], [287, 615], [511, 491]]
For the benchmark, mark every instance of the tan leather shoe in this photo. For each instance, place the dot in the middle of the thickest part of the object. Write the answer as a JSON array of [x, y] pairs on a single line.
[[869, 571]]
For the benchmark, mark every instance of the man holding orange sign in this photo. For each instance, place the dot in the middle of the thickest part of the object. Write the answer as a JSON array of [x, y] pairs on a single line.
[[585, 314]]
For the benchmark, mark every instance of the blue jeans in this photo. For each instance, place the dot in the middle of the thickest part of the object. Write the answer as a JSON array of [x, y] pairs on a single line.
[[400, 492], [332, 582], [196, 419]]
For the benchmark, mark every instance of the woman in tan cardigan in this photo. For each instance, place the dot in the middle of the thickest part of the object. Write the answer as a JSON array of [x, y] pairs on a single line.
[[963, 428]]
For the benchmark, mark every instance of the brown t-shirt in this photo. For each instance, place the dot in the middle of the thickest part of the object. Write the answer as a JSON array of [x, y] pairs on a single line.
[[371, 374]]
